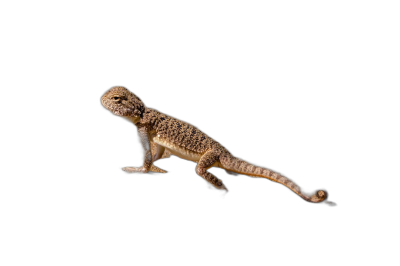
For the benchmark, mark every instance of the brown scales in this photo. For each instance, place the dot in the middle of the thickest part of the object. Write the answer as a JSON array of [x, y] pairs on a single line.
[[162, 135]]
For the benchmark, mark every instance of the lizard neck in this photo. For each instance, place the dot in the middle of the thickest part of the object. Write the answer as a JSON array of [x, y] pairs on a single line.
[[133, 119], [142, 119]]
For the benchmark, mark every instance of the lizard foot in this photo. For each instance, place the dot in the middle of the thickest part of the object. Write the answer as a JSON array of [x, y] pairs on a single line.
[[224, 190], [154, 168], [135, 170]]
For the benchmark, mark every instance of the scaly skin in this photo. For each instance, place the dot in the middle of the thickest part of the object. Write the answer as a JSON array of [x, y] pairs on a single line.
[[162, 135]]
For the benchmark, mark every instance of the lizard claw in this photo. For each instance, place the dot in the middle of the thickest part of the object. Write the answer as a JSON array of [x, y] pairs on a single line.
[[154, 168], [225, 193], [134, 169]]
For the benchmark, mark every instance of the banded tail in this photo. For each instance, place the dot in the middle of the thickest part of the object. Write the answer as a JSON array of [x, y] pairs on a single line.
[[230, 163]]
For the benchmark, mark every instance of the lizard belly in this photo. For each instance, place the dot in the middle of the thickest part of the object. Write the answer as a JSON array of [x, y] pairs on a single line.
[[177, 150]]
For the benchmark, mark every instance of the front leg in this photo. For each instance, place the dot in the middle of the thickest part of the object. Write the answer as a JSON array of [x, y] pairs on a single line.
[[147, 158]]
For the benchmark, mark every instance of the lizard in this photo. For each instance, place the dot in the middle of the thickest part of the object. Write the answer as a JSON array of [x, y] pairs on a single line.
[[162, 135]]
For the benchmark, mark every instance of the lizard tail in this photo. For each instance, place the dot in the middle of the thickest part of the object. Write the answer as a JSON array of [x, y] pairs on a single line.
[[230, 163]]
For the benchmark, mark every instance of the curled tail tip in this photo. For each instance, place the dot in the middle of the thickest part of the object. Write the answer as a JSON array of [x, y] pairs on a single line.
[[320, 196]]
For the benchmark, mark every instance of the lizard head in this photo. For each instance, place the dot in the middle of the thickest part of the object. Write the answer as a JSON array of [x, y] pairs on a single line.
[[122, 102]]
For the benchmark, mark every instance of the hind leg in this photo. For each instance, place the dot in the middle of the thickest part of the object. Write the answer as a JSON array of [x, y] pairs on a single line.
[[205, 162]]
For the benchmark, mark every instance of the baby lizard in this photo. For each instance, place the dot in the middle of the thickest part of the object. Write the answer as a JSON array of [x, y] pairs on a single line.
[[162, 135]]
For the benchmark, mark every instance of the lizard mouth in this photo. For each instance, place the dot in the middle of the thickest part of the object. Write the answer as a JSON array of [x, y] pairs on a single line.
[[125, 111], [122, 111]]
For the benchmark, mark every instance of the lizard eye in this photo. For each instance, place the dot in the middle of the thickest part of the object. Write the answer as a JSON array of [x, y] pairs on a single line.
[[116, 98]]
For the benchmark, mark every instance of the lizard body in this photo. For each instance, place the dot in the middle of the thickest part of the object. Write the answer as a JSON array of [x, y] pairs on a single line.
[[162, 135]]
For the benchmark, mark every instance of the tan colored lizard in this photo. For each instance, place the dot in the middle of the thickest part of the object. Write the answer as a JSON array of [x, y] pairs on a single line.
[[162, 135]]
